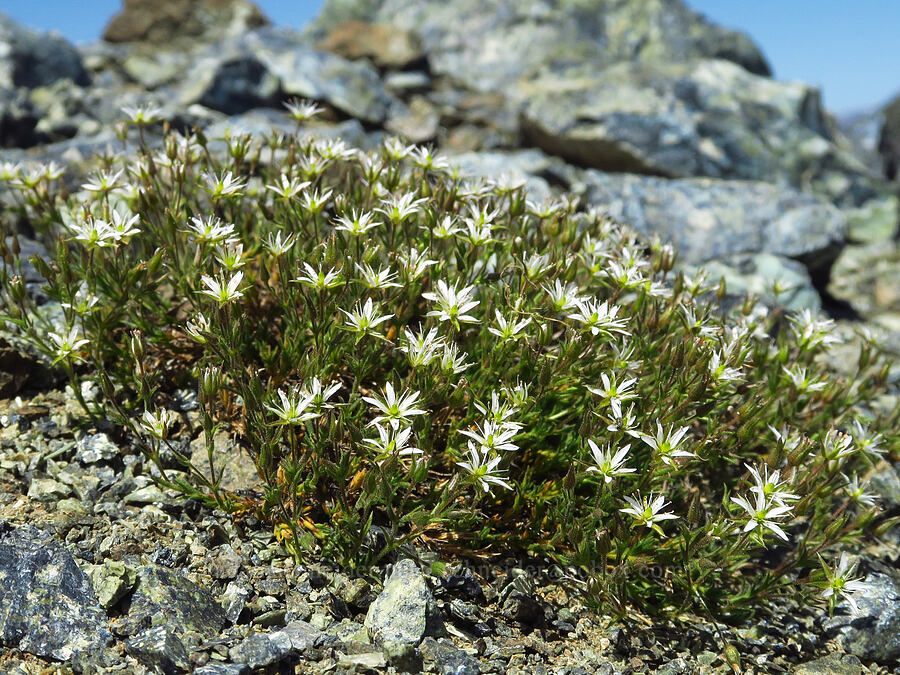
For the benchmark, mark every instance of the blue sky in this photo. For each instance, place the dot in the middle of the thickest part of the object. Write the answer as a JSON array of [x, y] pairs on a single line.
[[847, 47]]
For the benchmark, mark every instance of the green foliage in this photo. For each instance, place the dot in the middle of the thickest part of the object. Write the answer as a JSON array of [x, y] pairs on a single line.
[[409, 357]]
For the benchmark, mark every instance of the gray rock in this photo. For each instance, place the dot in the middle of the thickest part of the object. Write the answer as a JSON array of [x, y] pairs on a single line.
[[488, 45], [405, 611], [222, 669], [223, 562], [18, 120], [447, 659], [48, 490], [889, 139], [833, 664], [112, 581], [699, 118], [873, 635], [48, 606], [167, 597], [386, 45], [525, 166], [32, 59], [95, 448], [160, 649], [265, 66], [264, 649], [708, 219], [182, 21]]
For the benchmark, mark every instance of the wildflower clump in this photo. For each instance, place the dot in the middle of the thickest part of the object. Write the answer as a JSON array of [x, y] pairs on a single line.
[[435, 361]]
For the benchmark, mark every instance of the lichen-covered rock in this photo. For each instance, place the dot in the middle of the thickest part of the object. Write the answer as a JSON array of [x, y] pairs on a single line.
[[159, 649], [47, 605], [264, 649], [707, 219], [488, 45], [162, 22], [164, 596], [265, 66], [696, 118], [405, 611], [32, 59], [386, 45]]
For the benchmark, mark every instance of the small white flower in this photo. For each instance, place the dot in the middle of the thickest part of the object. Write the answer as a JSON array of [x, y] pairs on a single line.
[[857, 492], [599, 317], [810, 332], [421, 348], [394, 409], [648, 511], [198, 328], [357, 223], [563, 298], [400, 209], [84, 301], [445, 229], [414, 264], [67, 343], [615, 393], [392, 441], [158, 424], [383, 278], [211, 231], [142, 114], [508, 331], [94, 233], [762, 513], [232, 256], [122, 226], [302, 110], [288, 187], [769, 486], [364, 318], [491, 436], [223, 186], [609, 465], [719, 370], [840, 583], [801, 381], [483, 468], [836, 447], [453, 361], [314, 202], [278, 246], [866, 440], [104, 182], [293, 408], [221, 291], [319, 396], [452, 303], [666, 443], [426, 159], [319, 279]]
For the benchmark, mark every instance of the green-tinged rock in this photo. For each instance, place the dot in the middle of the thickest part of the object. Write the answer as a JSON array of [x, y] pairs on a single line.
[[112, 581], [405, 611]]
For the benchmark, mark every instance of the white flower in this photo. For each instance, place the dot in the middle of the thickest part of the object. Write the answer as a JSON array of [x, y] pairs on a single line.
[[810, 332], [841, 584], [318, 397], [484, 470], [288, 187], [609, 465], [648, 510], [836, 446], [94, 233], [453, 304], [122, 226], [198, 328], [391, 441], [499, 413], [695, 324], [314, 202], [302, 110], [414, 263], [211, 230], [67, 343], [157, 424], [278, 246], [867, 441], [84, 301], [395, 150], [394, 409], [720, 372], [806, 384], [769, 487], [364, 318], [491, 436], [319, 280], [232, 256], [600, 317], [426, 159], [220, 291], [223, 186], [142, 114], [292, 409], [666, 443], [421, 348], [615, 393], [383, 278], [563, 298], [508, 331], [105, 182], [400, 209], [625, 276], [453, 361], [762, 514], [444, 229], [856, 492], [357, 224]]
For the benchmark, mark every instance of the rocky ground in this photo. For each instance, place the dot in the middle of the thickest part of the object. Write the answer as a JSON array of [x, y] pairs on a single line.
[[671, 124]]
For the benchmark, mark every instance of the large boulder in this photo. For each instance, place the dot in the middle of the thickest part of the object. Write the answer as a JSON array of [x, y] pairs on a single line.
[[265, 66], [696, 118], [30, 58], [488, 45], [708, 219], [162, 22]]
